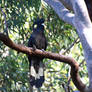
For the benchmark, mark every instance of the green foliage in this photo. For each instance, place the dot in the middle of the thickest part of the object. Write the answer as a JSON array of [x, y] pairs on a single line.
[[14, 66]]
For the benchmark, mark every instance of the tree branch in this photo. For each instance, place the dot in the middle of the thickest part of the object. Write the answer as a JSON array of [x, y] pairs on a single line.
[[67, 49], [83, 25], [74, 65], [61, 11], [67, 4], [81, 13]]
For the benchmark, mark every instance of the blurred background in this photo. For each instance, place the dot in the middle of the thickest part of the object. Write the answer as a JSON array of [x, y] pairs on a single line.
[[62, 39]]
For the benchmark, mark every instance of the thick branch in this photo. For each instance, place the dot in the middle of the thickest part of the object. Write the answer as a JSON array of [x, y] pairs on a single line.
[[67, 4], [74, 65], [61, 11], [81, 13], [84, 30]]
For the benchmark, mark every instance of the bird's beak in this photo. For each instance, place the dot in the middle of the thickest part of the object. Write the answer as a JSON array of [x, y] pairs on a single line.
[[43, 24]]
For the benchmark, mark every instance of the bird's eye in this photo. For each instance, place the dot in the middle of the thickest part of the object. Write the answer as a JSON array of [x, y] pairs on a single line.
[[35, 26]]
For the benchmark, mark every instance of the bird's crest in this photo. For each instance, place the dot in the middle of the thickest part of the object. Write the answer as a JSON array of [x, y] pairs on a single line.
[[38, 22], [35, 26]]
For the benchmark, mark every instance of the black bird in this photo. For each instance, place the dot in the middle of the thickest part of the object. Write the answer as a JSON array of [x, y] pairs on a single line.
[[37, 40]]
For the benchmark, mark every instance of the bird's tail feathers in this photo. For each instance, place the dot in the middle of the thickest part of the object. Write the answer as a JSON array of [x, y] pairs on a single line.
[[36, 78]]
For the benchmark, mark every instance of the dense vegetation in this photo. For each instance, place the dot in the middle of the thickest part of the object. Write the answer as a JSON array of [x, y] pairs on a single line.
[[14, 66]]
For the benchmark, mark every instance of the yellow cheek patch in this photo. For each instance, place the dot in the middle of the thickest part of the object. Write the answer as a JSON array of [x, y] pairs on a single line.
[[35, 26]]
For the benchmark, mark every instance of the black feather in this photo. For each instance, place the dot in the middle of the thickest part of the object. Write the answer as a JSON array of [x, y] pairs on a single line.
[[38, 40]]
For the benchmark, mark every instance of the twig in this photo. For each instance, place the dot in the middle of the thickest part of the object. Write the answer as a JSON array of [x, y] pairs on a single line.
[[65, 87], [70, 46], [82, 62]]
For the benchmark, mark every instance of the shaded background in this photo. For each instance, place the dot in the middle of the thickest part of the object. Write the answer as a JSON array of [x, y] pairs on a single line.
[[14, 66]]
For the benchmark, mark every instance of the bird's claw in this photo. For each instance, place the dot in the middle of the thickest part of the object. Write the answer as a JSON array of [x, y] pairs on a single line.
[[42, 50], [34, 47]]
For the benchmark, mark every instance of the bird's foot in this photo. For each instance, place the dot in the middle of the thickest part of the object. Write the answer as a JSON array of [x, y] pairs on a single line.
[[34, 47], [42, 50]]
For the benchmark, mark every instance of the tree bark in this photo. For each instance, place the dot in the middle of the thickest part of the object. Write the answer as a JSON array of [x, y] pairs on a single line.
[[81, 21], [61, 58]]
